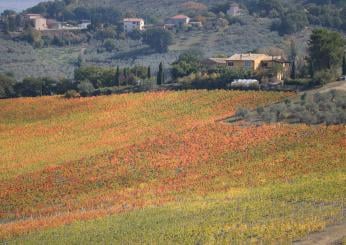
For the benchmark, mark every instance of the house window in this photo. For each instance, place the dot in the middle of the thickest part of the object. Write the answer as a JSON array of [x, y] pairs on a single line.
[[230, 64], [247, 64], [265, 64]]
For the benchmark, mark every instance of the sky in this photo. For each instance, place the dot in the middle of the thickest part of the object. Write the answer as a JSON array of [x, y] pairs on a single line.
[[17, 5]]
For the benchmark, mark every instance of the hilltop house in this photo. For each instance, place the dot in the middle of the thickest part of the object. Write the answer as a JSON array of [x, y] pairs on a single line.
[[264, 65], [131, 24], [37, 21], [234, 9], [178, 21]]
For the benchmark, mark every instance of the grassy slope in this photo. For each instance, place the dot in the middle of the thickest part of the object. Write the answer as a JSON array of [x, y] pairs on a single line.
[[24, 61], [192, 179]]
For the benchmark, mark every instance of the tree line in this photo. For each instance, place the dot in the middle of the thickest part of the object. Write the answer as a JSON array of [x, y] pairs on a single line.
[[88, 80]]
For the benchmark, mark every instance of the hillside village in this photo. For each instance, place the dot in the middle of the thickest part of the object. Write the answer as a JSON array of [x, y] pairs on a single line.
[[105, 35]]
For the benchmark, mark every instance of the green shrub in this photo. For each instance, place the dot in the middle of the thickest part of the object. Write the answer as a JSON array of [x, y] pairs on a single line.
[[328, 108], [86, 88], [70, 94], [324, 76]]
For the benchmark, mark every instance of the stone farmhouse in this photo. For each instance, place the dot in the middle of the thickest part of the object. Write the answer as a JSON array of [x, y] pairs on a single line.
[[263, 65]]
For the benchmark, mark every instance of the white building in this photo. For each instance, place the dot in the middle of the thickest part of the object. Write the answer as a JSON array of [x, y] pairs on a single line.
[[234, 10], [131, 24], [39, 23], [178, 20]]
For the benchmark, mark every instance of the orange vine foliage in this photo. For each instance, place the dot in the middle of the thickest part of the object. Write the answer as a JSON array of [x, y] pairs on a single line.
[[66, 160]]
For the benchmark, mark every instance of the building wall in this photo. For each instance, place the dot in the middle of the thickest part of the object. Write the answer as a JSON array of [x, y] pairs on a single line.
[[259, 65], [233, 11], [178, 22], [40, 24], [243, 64], [132, 25]]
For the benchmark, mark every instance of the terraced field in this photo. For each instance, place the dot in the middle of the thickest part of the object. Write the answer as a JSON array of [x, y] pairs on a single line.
[[160, 167]]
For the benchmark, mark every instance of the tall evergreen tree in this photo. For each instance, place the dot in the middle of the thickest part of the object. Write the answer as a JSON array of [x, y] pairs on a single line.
[[160, 75], [125, 73], [117, 77], [293, 70], [344, 65], [325, 48], [149, 72]]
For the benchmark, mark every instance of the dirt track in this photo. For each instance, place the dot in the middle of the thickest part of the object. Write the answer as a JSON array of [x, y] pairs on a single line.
[[331, 235], [341, 85]]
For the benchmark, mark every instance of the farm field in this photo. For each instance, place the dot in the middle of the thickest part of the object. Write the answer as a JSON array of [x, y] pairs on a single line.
[[161, 167]]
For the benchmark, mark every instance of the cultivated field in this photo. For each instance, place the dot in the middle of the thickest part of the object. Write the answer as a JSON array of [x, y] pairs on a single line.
[[159, 168]]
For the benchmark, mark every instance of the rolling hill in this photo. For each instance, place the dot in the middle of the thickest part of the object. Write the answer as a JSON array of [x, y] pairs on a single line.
[[162, 168]]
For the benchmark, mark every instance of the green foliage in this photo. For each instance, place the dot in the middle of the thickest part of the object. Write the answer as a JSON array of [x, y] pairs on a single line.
[[30, 87], [85, 88], [293, 70], [135, 35], [149, 73], [70, 94], [324, 76], [101, 77], [117, 77], [109, 45], [160, 75], [327, 108], [291, 22], [97, 76], [344, 65], [220, 7], [326, 15], [6, 86], [158, 39], [325, 49], [62, 12], [188, 63], [106, 33], [33, 37], [272, 8]]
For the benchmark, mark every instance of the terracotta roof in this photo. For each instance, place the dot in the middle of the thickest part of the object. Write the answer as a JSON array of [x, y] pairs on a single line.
[[133, 20], [180, 16], [32, 14], [218, 60], [248, 56]]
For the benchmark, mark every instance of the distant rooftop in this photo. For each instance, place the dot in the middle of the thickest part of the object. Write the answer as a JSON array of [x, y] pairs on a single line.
[[218, 60], [248, 56], [133, 20], [180, 16], [251, 56]]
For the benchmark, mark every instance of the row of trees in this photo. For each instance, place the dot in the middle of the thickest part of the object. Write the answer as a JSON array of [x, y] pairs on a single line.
[[32, 87], [87, 81]]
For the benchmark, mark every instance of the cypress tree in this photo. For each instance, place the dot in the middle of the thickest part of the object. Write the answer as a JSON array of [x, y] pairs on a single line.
[[293, 70], [160, 75], [117, 77], [125, 73], [344, 65], [149, 72]]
